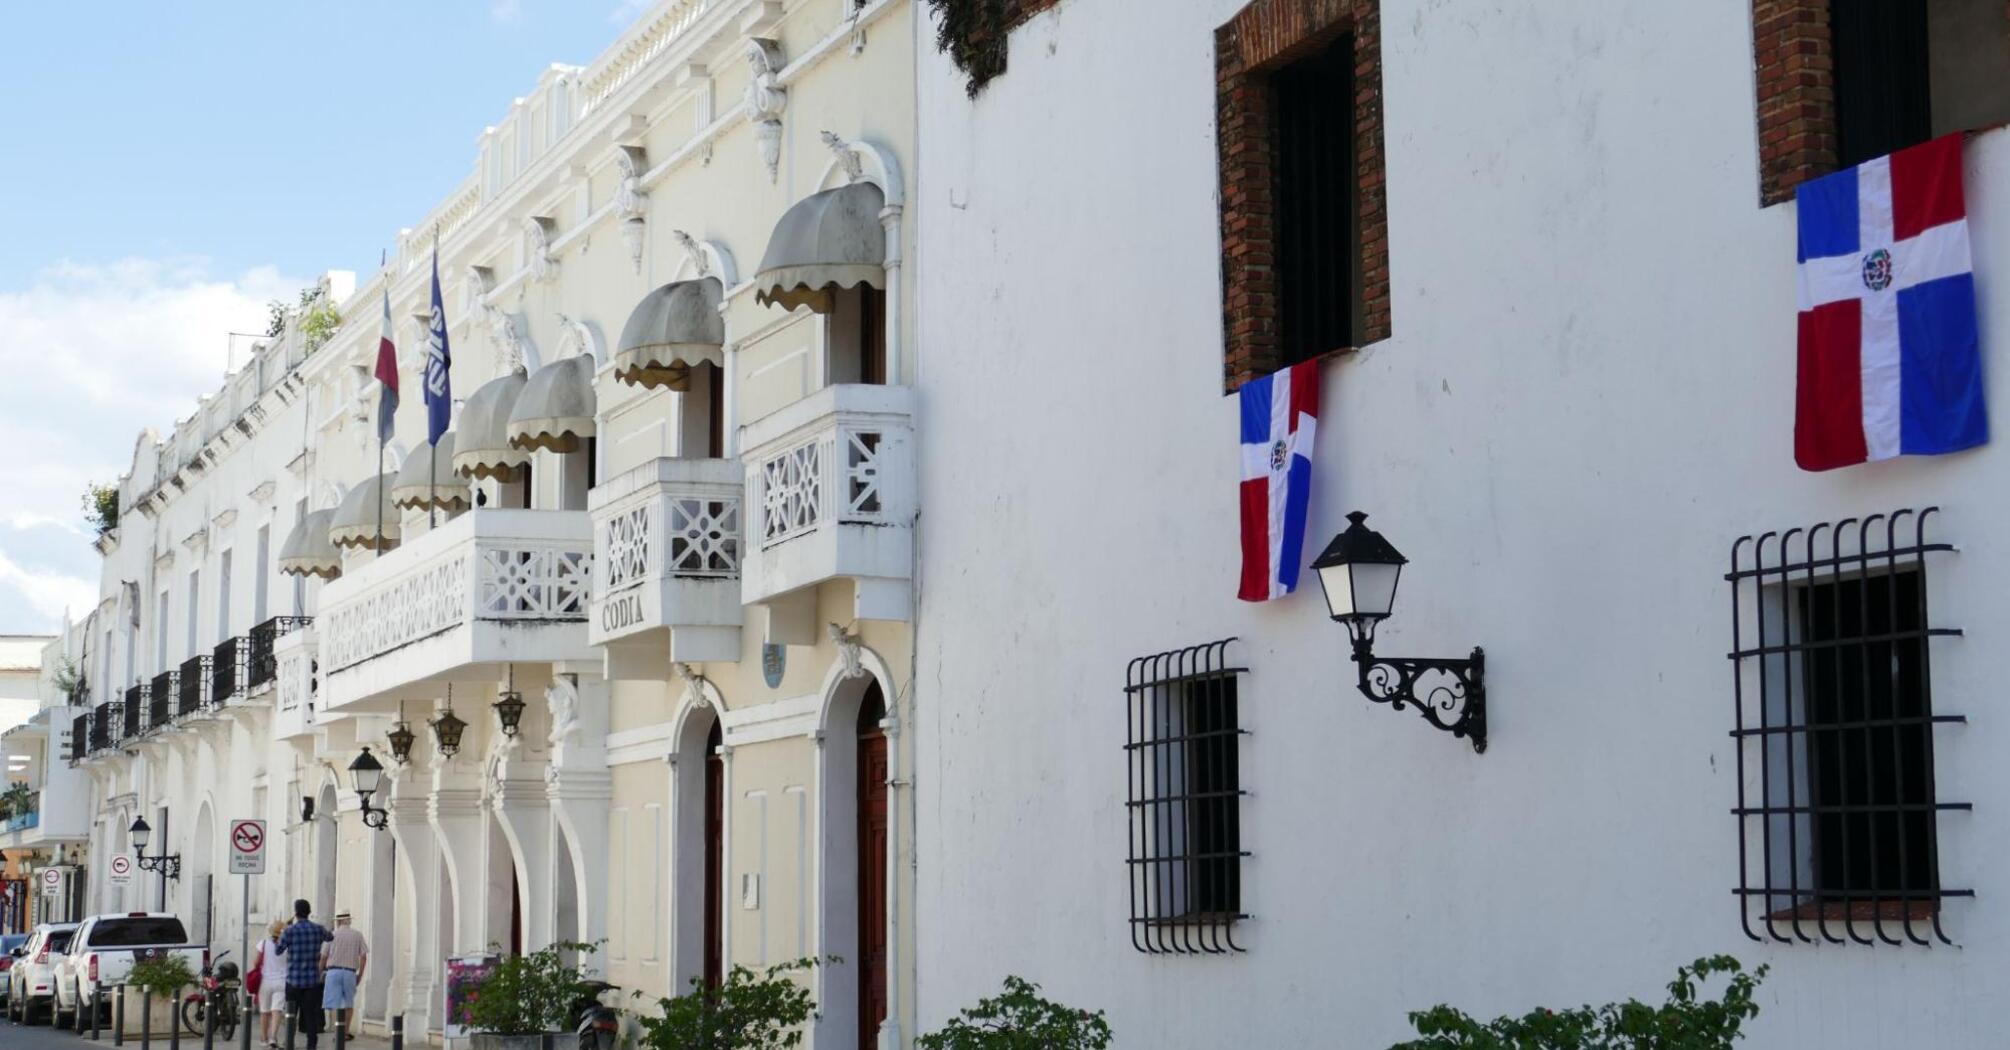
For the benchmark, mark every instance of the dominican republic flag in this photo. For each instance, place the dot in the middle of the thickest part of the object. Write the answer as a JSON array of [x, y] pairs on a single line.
[[1280, 412], [1889, 361], [387, 374], [439, 391]]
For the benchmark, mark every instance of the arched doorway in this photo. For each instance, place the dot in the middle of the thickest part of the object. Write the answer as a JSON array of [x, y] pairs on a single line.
[[715, 858], [505, 892], [202, 878], [854, 872], [326, 837], [444, 936], [564, 891], [383, 879], [697, 851]]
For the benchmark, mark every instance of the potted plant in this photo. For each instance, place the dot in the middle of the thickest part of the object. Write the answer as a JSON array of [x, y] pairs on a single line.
[[527, 997], [747, 1011], [150, 988], [1683, 1021], [1021, 1020]]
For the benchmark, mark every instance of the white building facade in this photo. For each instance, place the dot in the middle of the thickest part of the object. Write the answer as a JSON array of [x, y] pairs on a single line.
[[1565, 392]]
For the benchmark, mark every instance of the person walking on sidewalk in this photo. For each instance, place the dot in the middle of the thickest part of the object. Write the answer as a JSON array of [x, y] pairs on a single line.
[[271, 969], [346, 957], [300, 946]]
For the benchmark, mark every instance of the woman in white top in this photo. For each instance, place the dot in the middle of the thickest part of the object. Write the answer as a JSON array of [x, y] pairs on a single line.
[[272, 984]]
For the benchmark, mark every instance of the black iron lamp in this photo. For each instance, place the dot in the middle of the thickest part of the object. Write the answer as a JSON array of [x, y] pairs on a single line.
[[1358, 571], [447, 729], [509, 708], [401, 738], [167, 864], [366, 774]]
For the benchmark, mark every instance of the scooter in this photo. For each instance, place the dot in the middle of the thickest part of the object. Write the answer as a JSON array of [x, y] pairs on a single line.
[[218, 984], [598, 1026]]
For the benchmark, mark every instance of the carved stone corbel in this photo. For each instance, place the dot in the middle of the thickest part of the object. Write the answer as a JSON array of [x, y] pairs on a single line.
[[766, 99]]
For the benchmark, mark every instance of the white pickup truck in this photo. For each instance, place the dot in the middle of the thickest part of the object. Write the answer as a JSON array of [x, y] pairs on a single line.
[[103, 951]]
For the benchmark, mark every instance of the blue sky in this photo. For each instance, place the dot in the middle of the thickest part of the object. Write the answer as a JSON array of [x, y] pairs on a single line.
[[167, 168]]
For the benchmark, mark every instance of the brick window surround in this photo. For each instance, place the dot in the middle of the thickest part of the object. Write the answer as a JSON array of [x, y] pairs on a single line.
[[1261, 38], [1795, 79]]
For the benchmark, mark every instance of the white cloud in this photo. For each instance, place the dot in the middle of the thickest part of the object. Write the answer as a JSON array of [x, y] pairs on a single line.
[[505, 10], [93, 353], [627, 11]]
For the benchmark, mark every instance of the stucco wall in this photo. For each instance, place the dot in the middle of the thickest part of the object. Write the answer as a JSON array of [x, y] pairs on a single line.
[[1587, 397]]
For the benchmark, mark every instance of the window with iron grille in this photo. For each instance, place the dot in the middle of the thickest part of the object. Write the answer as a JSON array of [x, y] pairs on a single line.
[[1185, 801], [1838, 808]]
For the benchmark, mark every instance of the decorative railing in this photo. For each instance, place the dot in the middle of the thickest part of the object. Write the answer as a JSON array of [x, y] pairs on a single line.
[[191, 680], [259, 666], [440, 223], [101, 725], [505, 565], [833, 473], [160, 699], [643, 45], [224, 671], [298, 677], [23, 821], [682, 520], [131, 717]]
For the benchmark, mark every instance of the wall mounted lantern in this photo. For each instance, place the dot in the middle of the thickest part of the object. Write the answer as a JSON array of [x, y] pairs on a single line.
[[1358, 572], [366, 774], [167, 864], [509, 708]]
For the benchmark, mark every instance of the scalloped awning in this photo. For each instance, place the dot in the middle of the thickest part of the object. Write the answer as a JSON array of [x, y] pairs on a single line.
[[307, 550], [827, 239], [357, 521], [672, 330], [430, 480], [481, 444], [557, 406]]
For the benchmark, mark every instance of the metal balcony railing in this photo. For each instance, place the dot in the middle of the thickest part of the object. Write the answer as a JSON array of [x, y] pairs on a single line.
[[101, 725], [260, 666], [160, 700], [224, 673], [129, 719], [192, 678], [80, 737]]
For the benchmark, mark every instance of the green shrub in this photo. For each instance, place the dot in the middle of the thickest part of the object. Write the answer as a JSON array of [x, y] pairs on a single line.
[[1020, 1020], [1684, 1022], [161, 976], [101, 507], [528, 994], [748, 1011]]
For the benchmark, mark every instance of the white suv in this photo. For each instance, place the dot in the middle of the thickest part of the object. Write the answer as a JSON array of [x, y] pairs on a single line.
[[31, 981]]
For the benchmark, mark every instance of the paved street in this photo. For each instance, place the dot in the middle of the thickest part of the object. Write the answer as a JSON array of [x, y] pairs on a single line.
[[18, 1037]]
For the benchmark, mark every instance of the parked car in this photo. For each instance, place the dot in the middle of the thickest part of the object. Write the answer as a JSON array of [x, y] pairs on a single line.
[[104, 948], [10, 950], [31, 982]]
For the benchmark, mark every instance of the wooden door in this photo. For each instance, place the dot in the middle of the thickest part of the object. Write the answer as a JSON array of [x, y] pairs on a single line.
[[715, 859], [871, 870]]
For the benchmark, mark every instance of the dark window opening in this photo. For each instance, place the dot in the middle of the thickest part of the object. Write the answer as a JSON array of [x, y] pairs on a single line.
[[715, 411], [1910, 71], [872, 335], [1317, 246], [715, 857], [1185, 802]]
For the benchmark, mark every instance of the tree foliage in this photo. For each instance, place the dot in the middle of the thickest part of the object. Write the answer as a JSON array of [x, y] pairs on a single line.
[[1684, 1022], [101, 507], [1020, 1020], [161, 976], [529, 994]]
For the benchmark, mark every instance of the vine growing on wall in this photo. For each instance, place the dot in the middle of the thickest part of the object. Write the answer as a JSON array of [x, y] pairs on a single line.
[[972, 33]]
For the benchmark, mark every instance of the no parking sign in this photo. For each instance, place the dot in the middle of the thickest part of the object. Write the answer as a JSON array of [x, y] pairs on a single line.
[[247, 847]]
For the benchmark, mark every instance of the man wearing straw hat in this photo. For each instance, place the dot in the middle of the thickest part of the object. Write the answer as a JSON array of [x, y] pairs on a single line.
[[344, 959]]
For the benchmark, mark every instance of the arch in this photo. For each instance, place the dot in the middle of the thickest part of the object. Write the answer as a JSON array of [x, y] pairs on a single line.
[[692, 802], [505, 909], [876, 165], [327, 838], [202, 869], [839, 855], [579, 338], [382, 876], [565, 912], [718, 262], [330, 493]]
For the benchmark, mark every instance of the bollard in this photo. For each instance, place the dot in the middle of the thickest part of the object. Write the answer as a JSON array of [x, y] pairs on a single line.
[[218, 997], [342, 1032], [174, 1021], [247, 1019], [292, 1019], [398, 1032], [97, 1001], [147, 1019], [119, 1016]]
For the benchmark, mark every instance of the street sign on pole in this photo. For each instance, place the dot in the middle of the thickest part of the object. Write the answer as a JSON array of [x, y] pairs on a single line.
[[52, 878], [119, 870], [247, 847]]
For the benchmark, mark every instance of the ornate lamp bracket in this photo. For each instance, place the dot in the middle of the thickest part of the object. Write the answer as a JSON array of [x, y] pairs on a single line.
[[1454, 695]]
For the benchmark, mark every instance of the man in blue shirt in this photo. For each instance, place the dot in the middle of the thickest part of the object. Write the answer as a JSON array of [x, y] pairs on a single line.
[[300, 946]]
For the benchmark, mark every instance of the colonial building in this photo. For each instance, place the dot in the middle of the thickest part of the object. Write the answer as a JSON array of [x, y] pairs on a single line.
[[37, 807], [633, 640], [1545, 258]]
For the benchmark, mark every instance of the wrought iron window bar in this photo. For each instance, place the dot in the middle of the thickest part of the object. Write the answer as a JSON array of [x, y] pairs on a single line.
[[160, 700], [1185, 801], [1831, 673], [224, 672], [80, 737], [136, 704], [101, 726]]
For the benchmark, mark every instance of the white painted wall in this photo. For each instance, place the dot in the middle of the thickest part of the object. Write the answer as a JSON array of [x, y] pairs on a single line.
[[1587, 398]]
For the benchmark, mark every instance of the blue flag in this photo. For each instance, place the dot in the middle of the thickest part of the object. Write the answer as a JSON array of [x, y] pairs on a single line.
[[439, 389]]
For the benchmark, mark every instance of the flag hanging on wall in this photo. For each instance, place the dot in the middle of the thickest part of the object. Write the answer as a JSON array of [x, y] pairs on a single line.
[[1889, 357], [439, 359], [1280, 412], [387, 374]]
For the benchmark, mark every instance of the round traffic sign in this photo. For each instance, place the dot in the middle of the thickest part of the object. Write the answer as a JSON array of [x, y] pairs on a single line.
[[122, 864], [247, 837], [51, 877]]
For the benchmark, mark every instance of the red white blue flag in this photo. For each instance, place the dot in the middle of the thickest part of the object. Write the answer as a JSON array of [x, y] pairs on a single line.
[[1889, 357], [1280, 413], [387, 373]]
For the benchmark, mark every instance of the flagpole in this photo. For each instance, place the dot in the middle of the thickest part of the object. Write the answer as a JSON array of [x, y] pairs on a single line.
[[380, 418], [432, 441]]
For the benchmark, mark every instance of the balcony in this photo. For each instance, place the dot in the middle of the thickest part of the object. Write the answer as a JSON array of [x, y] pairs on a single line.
[[666, 559], [223, 671], [192, 686], [80, 737], [129, 718], [490, 587], [831, 492], [260, 667], [296, 680], [101, 725], [160, 700]]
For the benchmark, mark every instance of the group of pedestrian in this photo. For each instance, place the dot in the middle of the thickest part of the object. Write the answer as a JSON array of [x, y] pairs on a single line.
[[311, 969]]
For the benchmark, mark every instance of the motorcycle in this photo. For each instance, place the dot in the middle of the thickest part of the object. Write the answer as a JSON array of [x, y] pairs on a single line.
[[217, 984], [598, 1026]]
